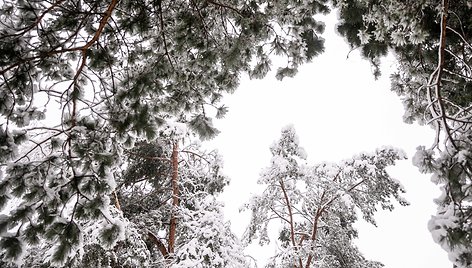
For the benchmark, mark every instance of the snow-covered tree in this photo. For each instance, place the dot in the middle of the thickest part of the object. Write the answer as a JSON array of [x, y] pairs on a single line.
[[432, 42], [187, 233], [166, 220], [80, 80], [316, 204]]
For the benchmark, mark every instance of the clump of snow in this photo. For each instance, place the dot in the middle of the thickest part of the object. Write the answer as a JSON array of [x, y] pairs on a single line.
[[109, 179], [176, 130], [347, 200], [440, 226], [423, 159], [280, 164], [463, 156]]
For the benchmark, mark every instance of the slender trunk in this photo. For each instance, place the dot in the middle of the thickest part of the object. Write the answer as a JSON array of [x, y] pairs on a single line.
[[117, 201], [290, 215], [175, 199], [162, 248], [314, 231], [441, 61], [318, 214]]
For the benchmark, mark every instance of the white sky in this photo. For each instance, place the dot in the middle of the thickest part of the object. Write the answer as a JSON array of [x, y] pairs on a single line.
[[338, 110]]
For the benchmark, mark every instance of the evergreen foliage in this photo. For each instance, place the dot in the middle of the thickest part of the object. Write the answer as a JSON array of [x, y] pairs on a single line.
[[118, 72], [203, 239], [110, 73], [140, 237], [316, 204], [431, 41]]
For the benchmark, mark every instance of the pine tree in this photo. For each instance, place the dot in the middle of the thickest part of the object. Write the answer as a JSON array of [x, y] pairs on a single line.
[[316, 205], [122, 71], [431, 41], [117, 72], [157, 232], [188, 234]]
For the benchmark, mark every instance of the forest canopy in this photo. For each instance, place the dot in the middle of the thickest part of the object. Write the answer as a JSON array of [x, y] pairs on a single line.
[[101, 102]]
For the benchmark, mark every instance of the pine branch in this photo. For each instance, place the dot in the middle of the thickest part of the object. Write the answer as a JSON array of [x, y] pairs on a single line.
[[162, 248], [39, 144], [35, 23], [161, 19], [196, 154], [117, 201], [279, 216], [149, 157], [83, 49], [225, 6], [441, 60]]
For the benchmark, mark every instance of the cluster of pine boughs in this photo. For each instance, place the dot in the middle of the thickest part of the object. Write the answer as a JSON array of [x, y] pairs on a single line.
[[101, 103]]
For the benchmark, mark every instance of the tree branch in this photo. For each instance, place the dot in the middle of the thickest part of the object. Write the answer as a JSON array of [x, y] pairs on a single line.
[[441, 60], [159, 244], [175, 198], [290, 215], [83, 49], [225, 6], [36, 22]]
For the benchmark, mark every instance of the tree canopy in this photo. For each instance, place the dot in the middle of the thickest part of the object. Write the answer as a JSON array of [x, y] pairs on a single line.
[[83, 82], [116, 72], [316, 204], [431, 41]]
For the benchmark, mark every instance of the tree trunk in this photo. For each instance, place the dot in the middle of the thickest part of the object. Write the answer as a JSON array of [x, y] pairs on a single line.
[[175, 199], [313, 235], [290, 215]]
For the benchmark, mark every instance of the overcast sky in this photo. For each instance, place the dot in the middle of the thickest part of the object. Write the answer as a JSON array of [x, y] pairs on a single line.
[[338, 110]]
